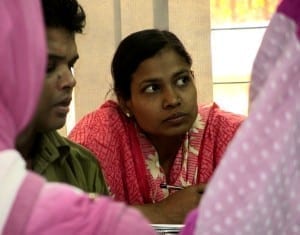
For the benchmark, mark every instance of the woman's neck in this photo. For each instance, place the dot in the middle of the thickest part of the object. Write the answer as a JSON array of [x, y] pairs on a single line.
[[167, 148]]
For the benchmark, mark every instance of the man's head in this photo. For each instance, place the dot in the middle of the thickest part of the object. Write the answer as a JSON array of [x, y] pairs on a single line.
[[63, 19], [66, 14]]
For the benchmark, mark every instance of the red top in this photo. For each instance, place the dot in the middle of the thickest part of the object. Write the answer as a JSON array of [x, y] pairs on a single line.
[[130, 162]]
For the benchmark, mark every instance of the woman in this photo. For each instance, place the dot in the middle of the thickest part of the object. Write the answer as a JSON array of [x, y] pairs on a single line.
[[156, 133], [28, 204], [256, 188]]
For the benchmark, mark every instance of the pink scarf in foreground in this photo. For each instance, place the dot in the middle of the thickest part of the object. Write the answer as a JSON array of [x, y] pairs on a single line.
[[256, 188], [29, 205], [23, 57]]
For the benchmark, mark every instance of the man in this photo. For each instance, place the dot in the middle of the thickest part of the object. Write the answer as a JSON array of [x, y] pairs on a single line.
[[45, 151]]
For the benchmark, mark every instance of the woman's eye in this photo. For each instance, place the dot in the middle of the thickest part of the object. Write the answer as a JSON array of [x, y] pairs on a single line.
[[183, 80], [151, 88]]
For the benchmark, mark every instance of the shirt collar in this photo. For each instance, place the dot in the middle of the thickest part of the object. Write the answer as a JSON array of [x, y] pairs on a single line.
[[51, 147]]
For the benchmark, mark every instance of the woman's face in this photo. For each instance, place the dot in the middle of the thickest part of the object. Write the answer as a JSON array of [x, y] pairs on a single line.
[[163, 95]]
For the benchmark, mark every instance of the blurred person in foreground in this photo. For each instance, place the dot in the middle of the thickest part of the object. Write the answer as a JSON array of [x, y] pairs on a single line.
[[28, 204], [256, 188]]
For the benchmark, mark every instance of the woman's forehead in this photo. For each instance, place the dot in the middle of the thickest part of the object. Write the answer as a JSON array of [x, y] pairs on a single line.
[[165, 62]]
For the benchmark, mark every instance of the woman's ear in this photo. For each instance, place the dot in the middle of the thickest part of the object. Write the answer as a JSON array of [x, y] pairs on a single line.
[[125, 107]]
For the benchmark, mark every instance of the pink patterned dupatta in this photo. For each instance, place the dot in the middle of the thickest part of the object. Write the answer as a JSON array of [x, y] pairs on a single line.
[[130, 162], [142, 176], [200, 153], [184, 171]]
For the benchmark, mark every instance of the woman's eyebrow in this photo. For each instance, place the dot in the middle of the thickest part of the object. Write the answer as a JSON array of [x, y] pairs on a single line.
[[181, 72], [157, 79]]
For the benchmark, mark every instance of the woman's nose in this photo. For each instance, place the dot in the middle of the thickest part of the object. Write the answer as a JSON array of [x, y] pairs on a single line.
[[170, 98]]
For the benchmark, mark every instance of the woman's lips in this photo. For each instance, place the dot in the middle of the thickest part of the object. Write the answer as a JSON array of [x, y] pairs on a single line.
[[176, 118]]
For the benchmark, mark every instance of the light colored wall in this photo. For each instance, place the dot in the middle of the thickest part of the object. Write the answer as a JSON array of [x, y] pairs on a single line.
[[190, 20]]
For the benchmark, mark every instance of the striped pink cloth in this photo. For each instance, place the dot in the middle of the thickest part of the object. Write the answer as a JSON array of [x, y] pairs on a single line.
[[256, 188], [130, 162]]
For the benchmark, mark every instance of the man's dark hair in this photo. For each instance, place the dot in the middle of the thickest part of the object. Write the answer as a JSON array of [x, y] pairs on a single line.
[[67, 14]]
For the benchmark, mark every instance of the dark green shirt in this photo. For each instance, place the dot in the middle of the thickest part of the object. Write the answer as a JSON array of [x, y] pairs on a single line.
[[61, 160]]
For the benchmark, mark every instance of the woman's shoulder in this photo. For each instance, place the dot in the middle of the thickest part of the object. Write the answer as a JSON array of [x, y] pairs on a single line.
[[108, 118], [214, 112], [107, 113]]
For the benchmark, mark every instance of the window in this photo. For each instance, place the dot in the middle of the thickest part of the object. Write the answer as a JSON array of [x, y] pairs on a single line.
[[237, 28]]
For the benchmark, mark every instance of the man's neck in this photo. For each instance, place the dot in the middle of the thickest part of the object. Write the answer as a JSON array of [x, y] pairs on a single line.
[[25, 145]]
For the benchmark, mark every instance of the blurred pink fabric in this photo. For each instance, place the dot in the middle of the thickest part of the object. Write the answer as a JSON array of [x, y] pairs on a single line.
[[22, 56], [256, 188], [28, 204]]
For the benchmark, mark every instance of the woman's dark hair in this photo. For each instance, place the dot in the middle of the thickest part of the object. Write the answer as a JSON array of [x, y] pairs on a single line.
[[136, 48], [64, 13]]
